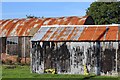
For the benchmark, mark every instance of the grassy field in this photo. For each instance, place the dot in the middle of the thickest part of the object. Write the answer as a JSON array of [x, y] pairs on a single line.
[[23, 73]]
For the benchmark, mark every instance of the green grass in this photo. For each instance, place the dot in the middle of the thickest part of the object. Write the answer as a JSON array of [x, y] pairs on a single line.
[[23, 73]]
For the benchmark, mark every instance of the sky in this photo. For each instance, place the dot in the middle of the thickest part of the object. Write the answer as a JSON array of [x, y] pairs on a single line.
[[10, 10]]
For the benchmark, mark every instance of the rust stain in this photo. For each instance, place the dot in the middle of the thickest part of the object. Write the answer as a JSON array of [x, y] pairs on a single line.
[[12, 28], [52, 21], [7, 27], [99, 34], [60, 34], [29, 26], [24, 27], [56, 34], [112, 33], [74, 21], [87, 33], [69, 37], [3, 22], [47, 34], [82, 35], [20, 26]]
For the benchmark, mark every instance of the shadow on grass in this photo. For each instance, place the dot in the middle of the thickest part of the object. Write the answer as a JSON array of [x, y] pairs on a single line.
[[99, 78], [88, 77]]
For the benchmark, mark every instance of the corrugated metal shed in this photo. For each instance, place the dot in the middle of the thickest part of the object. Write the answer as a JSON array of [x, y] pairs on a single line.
[[77, 33], [29, 26]]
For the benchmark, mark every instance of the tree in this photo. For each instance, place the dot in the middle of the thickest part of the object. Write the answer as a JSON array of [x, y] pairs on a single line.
[[105, 12], [30, 16], [107, 0]]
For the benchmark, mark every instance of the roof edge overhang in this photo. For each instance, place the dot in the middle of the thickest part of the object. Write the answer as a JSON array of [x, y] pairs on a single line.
[[81, 41], [14, 36], [79, 25]]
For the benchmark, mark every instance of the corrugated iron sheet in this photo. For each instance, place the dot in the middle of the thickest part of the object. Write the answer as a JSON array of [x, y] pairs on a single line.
[[77, 33], [29, 26]]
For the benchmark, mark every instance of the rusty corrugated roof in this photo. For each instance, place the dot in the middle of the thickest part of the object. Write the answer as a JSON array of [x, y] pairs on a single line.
[[77, 33], [29, 26]]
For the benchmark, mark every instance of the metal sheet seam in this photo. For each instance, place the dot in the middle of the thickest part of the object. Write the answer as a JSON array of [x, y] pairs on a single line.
[[85, 29], [66, 33], [3, 25], [60, 33], [35, 38], [52, 33], [70, 33], [78, 25], [105, 33], [94, 33], [27, 24], [57, 33], [9, 30], [79, 32]]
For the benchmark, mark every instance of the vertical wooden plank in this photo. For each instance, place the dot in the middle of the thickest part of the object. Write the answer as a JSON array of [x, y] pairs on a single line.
[[27, 47], [19, 49], [22, 49], [98, 58], [0, 47], [116, 54], [33, 56], [3, 44]]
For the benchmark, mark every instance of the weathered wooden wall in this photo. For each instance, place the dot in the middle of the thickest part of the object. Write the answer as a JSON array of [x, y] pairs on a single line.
[[0, 47], [71, 57], [12, 49], [25, 49], [19, 46], [118, 59]]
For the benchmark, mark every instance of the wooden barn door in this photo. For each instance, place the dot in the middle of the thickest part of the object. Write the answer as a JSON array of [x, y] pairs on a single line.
[[108, 58], [56, 56]]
